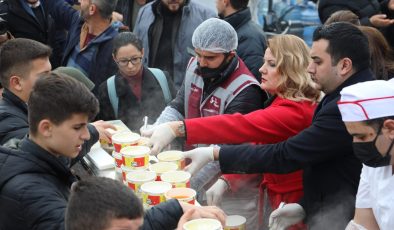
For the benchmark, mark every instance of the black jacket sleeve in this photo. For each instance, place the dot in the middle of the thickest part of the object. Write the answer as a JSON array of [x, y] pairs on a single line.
[[325, 139], [163, 216], [250, 99]]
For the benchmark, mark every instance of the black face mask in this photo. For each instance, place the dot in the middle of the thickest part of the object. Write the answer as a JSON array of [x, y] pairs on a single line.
[[206, 72], [369, 155]]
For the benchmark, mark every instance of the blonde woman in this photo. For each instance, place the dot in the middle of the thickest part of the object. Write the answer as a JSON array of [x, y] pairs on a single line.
[[289, 111]]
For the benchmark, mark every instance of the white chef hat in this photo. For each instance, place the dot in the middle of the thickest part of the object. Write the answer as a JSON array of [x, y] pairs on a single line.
[[367, 100]]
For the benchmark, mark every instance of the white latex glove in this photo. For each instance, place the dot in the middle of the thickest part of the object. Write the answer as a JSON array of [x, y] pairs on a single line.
[[200, 157], [148, 131], [354, 226], [161, 137], [216, 191], [284, 217]]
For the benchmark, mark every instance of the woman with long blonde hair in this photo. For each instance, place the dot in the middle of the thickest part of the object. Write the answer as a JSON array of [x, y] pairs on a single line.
[[288, 111]]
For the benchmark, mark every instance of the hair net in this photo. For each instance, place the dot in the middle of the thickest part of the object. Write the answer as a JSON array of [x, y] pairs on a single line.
[[215, 35]]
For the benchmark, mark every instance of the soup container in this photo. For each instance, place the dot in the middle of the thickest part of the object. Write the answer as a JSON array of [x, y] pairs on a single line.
[[136, 156], [235, 222], [187, 195], [162, 167], [126, 170], [153, 193], [137, 178], [123, 139], [178, 179], [119, 128], [203, 224], [118, 161], [172, 156]]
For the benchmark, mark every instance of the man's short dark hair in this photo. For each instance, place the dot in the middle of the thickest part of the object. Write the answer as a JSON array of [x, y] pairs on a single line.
[[96, 201], [239, 4], [377, 123], [345, 40], [16, 56], [57, 97]]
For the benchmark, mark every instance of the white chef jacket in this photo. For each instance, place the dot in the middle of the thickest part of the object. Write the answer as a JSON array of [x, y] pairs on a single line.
[[376, 191]]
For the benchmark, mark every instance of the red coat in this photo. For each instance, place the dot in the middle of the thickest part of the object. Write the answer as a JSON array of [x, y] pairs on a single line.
[[281, 120]]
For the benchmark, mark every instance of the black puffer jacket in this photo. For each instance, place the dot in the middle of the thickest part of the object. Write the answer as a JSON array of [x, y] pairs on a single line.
[[22, 24], [251, 40], [13, 117], [14, 123], [34, 188], [362, 8]]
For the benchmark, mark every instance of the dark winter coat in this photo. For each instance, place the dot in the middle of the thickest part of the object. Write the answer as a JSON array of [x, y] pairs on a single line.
[[13, 117], [324, 151], [23, 24], [130, 110], [34, 188], [362, 8], [251, 40], [102, 65]]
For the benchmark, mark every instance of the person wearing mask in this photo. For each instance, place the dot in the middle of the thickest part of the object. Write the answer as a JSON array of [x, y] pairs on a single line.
[[216, 81], [166, 28], [137, 90], [251, 38], [88, 208], [367, 112], [340, 57], [290, 110]]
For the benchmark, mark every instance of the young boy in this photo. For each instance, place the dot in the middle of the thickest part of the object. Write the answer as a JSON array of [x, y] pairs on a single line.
[[35, 179]]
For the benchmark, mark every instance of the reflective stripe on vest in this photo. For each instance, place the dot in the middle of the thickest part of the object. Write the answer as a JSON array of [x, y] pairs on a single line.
[[217, 102]]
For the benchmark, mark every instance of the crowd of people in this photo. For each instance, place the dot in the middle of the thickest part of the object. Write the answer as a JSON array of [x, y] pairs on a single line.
[[289, 136]]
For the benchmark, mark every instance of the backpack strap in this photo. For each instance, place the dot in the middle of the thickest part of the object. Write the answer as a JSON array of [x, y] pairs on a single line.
[[161, 78], [113, 98]]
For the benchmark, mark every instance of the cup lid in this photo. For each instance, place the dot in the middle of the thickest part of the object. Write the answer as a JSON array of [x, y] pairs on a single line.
[[162, 167], [125, 137], [135, 150], [172, 155], [235, 220], [203, 224], [140, 176], [175, 176], [156, 187]]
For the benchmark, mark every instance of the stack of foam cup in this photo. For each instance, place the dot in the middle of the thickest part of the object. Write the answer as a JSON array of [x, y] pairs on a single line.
[[107, 145], [136, 179], [153, 193], [135, 158], [119, 141]]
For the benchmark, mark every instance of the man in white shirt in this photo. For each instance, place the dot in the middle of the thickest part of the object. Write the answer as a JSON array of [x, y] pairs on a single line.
[[368, 112]]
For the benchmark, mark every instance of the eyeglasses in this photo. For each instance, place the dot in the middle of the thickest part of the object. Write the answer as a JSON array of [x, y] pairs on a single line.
[[125, 62]]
